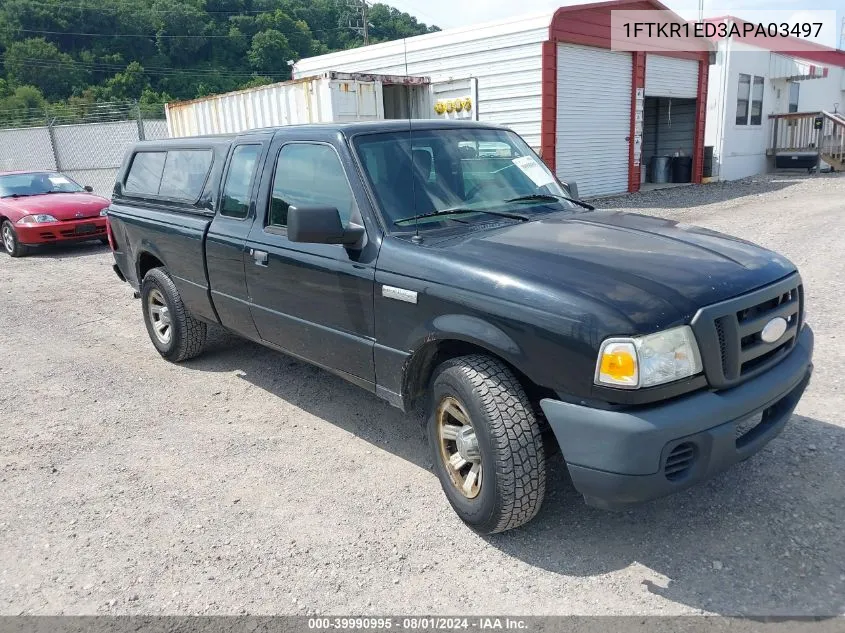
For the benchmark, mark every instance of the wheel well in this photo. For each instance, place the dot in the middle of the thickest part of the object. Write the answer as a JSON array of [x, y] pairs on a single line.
[[425, 360], [147, 262]]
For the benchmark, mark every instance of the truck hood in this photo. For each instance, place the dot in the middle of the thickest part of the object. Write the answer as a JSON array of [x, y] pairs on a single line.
[[62, 206], [650, 270]]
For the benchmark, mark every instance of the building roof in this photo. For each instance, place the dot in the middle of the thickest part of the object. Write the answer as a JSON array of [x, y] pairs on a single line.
[[541, 22], [797, 47]]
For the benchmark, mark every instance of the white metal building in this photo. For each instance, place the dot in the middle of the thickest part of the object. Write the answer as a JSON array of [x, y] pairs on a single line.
[[747, 84], [595, 115]]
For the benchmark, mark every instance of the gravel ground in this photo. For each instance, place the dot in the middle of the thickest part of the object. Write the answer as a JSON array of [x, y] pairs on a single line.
[[244, 481]]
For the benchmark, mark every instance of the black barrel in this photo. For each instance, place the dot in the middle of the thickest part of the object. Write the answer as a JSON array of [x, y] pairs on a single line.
[[681, 168]]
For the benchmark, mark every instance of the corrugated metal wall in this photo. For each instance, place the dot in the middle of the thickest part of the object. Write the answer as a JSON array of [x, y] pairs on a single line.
[[505, 57], [668, 127], [593, 118], [671, 77]]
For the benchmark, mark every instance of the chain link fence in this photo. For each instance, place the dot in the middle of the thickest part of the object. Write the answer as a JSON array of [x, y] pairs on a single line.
[[86, 142]]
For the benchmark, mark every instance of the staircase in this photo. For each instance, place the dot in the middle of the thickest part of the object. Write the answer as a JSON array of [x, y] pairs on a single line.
[[795, 133]]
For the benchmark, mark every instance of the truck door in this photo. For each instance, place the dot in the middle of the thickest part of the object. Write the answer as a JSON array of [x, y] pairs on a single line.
[[225, 245], [312, 300]]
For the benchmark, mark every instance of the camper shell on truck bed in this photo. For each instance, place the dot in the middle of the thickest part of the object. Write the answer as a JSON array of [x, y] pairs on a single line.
[[442, 264]]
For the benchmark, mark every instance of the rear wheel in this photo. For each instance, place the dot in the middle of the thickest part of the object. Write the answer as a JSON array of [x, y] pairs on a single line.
[[10, 240], [487, 444], [175, 333]]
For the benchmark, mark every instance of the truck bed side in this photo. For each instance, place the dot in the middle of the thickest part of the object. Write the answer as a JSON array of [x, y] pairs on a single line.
[[146, 238]]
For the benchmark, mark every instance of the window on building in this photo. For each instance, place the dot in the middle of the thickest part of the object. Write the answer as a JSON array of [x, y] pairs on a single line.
[[757, 101], [742, 96], [749, 100], [184, 174], [794, 89], [239, 181], [309, 174], [145, 173]]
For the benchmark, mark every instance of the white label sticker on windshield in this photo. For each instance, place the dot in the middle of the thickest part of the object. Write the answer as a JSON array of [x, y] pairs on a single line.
[[59, 180], [531, 168]]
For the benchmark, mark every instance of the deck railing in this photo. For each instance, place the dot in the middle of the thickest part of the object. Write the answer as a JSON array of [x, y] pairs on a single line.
[[797, 132]]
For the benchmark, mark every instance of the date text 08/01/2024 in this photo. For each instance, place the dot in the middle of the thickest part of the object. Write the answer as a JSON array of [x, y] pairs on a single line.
[[721, 30], [416, 623]]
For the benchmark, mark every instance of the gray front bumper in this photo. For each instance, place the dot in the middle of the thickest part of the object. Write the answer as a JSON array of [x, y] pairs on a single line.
[[617, 458]]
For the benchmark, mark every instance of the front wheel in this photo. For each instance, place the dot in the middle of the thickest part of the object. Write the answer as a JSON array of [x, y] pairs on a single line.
[[175, 333], [10, 240], [487, 444]]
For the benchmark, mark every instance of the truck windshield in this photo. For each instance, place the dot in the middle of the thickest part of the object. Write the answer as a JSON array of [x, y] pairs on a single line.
[[477, 171]]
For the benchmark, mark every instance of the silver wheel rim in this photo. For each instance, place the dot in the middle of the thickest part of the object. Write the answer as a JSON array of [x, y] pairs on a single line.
[[8, 238], [459, 448], [159, 316]]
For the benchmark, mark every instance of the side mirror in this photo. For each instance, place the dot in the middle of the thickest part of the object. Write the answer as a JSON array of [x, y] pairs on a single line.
[[88, 188], [573, 189], [321, 225]]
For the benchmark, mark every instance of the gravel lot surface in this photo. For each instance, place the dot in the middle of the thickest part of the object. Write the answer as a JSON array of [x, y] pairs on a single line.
[[244, 481]]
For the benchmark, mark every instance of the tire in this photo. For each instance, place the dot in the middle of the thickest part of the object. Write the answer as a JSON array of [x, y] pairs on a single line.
[[105, 241], [9, 239], [174, 332], [507, 446]]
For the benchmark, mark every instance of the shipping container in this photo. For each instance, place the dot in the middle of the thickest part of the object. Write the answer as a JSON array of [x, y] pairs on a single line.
[[327, 97]]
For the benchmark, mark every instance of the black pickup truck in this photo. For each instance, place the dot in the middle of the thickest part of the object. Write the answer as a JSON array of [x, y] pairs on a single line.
[[442, 263]]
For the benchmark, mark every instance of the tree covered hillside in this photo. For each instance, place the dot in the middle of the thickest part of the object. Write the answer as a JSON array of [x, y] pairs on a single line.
[[78, 52]]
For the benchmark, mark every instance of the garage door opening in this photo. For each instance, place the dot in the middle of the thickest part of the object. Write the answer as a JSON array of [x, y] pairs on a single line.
[[668, 142]]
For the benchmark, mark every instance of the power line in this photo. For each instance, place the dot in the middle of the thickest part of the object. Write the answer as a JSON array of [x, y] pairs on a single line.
[[116, 6], [118, 35], [153, 70], [155, 36]]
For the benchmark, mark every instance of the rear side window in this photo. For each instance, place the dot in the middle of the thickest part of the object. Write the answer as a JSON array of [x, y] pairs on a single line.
[[239, 181], [184, 173], [178, 173], [145, 173]]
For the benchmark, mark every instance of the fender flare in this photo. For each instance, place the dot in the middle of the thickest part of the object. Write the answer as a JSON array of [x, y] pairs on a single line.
[[461, 328]]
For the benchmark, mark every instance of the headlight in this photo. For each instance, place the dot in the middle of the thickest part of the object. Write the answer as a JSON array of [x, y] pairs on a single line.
[[104, 212], [646, 361], [41, 218]]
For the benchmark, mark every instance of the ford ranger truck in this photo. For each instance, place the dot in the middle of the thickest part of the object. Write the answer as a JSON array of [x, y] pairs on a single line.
[[441, 264]]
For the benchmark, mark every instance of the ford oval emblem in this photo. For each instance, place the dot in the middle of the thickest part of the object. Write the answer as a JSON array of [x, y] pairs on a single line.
[[773, 330]]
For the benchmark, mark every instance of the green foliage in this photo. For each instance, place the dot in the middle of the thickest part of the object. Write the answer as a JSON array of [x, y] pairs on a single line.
[[79, 53]]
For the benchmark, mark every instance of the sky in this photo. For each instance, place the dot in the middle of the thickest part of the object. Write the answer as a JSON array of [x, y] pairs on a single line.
[[452, 13]]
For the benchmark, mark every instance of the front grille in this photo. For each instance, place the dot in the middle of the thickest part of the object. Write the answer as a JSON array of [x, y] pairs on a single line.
[[729, 333], [679, 461]]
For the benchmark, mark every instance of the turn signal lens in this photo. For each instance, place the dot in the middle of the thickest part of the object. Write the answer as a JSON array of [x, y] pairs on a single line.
[[618, 364], [646, 361]]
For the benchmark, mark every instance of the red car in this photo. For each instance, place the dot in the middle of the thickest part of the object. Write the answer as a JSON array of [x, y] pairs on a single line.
[[42, 207]]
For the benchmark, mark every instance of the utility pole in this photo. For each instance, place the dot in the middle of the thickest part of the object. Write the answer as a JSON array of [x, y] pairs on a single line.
[[364, 19], [357, 18]]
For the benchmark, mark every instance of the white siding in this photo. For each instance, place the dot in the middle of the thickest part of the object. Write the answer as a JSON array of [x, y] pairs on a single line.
[[505, 57], [593, 118], [671, 77]]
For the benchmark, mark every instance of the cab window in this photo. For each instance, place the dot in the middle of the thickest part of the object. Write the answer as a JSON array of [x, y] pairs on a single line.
[[309, 174]]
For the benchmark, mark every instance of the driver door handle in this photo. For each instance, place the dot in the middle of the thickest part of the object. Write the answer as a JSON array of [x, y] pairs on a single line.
[[260, 257]]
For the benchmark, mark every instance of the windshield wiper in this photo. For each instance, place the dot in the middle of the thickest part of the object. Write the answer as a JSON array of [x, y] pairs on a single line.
[[19, 195], [549, 197], [457, 210]]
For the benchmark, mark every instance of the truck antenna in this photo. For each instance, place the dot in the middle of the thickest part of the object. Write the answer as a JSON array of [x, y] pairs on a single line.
[[416, 239]]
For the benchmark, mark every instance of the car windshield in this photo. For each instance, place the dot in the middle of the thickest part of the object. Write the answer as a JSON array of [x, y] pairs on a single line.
[[36, 183], [467, 174]]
